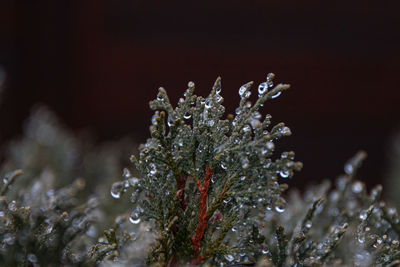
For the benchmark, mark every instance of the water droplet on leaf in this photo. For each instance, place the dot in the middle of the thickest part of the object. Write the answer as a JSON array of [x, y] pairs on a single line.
[[229, 258], [284, 174], [135, 216]]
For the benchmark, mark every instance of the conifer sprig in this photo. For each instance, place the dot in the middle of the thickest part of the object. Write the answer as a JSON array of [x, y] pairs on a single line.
[[203, 168]]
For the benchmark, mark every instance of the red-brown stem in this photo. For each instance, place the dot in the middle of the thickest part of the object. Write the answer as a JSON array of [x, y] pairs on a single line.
[[203, 218], [180, 183], [222, 193]]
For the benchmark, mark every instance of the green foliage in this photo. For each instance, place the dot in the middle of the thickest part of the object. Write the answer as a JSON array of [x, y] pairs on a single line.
[[343, 225], [43, 226], [206, 192], [200, 173]]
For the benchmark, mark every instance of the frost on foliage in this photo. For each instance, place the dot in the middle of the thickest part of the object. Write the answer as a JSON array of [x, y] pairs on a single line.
[[344, 225], [43, 226], [201, 173]]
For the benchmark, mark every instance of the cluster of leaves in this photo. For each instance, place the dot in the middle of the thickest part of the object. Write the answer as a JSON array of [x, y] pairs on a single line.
[[201, 173], [43, 226], [48, 216], [340, 226]]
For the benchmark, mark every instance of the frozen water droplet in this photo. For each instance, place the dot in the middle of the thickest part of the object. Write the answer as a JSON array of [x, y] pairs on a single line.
[[210, 122], [229, 258], [242, 178], [348, 168], [190, 84], [234, 229], [357, 187], [308, 224], [361, 239], [262, 88], [135, 216], [116, 190], [126, 173], [265, 251], [12, 206], [247, 94], [284, 174], [187, 115], [242, 89]]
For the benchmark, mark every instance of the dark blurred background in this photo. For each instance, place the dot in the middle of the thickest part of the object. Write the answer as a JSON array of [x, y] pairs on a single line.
[[97, 64]]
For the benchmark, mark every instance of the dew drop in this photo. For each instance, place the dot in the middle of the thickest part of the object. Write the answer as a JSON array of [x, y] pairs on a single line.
[[190, 84], [223, 166], [116, 190], [208, 103], [245, 163], [277, 94], [134, 197], [12, 206], [284, 174], [9, 239], [126, 173], [308, 224], [348, 168], [286, 131], [153, 169], [134, 217], [246, 129], [218, 89], [187, 115], [279, 209], [262, 88], [210, 122], [242, 178], [357, 187], [363, 215], [32, 258], [270, 145], [242, 89], [170, 121], [280, 206], [229, 258], [265, 251]]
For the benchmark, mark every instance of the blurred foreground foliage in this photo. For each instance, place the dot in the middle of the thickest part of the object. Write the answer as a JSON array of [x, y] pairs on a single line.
[[206, 191]]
